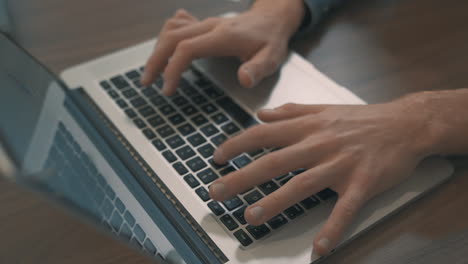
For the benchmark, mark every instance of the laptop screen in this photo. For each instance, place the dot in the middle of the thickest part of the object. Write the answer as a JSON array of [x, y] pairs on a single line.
[[39, 131]]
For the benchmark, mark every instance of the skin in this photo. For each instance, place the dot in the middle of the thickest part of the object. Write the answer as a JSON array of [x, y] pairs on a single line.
[[358, 151]]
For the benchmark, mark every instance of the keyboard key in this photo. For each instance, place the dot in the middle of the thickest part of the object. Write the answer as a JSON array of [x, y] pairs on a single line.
[[293, 211], [243, 238], [186, 129], [180, 168], [133, 74], [119, 82], [199, 99], [165, 131], [203, 82], [209, 130], [139, 123], [209, 108], [129, 218], [219, 118], [230, 128], [203, 194], [149, 91], [149, 134], [177, 119], [130, 113], [135, 244], [119, 205], [189, 110], [149, 246], [196, 164], [236, 112], [268, 187], [105, 85], [113, 94], [229, 222], [180, 101], [187, 88], [159, 145], [216, 208], [277, 221], [166, 109], [139, 233], [206, 150], [138, 102], [255, 153], [159, 82], [185, 152], [125, 232], [147, 111], [116, 221], [298, 171], [121, 103], [326, 194], [199, 120], [242, 161], [219, 139], [253, 197], [258, 231], [196, 139], [156, 121], [227, 170], [216, 166], [278, 178], [129, 93], [239, 215], [107, 208], [213, 93], [191, 181], [175, 141], [233, 203], [158, 101], [137, 84], [284, 181], [310, 202], [207, 176], [169, 156]]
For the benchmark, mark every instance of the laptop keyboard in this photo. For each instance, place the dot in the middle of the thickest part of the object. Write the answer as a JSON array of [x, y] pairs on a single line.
[[186, 128], [77, 177]]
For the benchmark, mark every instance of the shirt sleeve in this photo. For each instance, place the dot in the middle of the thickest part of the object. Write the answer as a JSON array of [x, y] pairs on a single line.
[[316, 10]]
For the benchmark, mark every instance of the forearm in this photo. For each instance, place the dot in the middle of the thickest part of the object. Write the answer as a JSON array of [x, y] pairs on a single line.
[[443, 116]]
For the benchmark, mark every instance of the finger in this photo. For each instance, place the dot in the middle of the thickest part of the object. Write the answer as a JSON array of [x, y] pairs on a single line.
[[288, 111], [209, 44], [182, 13], [341, 217], [166, 45], [178, 23], [261, 171], [264, 63], [297, 189], [257, 137]]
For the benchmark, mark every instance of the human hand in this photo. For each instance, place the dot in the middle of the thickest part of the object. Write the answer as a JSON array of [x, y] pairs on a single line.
[[258, 37], [356, 150]]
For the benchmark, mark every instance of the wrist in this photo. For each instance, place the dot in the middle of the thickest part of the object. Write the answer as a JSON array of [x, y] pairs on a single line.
[[442, 117], [287, 13]]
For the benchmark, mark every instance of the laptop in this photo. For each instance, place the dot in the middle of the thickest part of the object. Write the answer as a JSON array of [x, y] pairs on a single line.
[[138, 165]]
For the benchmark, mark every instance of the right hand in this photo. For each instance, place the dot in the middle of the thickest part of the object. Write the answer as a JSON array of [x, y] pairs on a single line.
[[258, 37]]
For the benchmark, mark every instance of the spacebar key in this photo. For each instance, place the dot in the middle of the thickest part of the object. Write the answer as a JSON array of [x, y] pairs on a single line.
[[236, 112]]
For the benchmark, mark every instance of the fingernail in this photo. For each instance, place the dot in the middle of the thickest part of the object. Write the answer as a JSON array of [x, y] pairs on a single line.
[[257, 212], [251, 76], [218, 190], [324, 243]]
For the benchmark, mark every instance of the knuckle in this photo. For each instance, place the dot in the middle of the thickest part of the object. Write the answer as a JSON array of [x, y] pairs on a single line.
[[184, 47]]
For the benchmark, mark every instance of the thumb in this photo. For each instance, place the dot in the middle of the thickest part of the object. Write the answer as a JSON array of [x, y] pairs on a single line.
[[262, 64], [341, 217]]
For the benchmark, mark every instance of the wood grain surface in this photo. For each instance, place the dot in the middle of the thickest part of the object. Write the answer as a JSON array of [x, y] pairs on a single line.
[[380, 49]]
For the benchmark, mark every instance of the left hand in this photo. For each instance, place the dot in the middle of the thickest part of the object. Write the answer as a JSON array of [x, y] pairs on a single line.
[[356, 150]]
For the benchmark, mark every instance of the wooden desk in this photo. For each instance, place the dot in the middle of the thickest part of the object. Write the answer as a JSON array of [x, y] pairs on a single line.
[[380, 49]]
